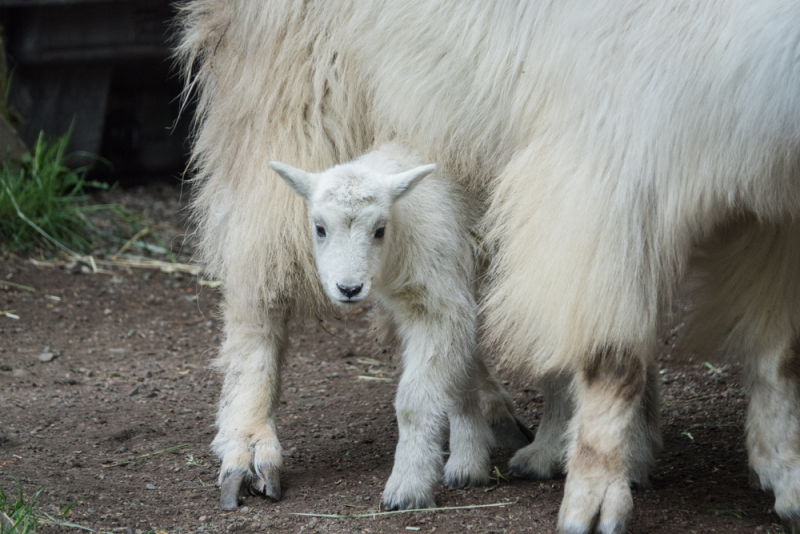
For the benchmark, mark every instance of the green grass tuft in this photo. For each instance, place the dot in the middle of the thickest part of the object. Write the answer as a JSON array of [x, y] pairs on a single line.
[[44, 202], [20, 512]]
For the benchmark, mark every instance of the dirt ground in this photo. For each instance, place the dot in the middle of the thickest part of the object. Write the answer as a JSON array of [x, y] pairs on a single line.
[[128, 377]]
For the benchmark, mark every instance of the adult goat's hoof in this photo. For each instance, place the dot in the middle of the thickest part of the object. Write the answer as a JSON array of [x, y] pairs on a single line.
[[230, 488], [510, 433]]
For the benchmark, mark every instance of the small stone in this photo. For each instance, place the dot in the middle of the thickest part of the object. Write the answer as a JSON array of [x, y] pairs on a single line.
[[107, 311], [18, 373], [46, 357], [150, 487], [244, 510], [134, 391], [202, 518]]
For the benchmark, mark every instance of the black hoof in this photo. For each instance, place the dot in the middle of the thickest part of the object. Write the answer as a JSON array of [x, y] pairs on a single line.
[[511, 434], [465, 481], [229, 490], [524, 430], [268, 482], [409, 504]]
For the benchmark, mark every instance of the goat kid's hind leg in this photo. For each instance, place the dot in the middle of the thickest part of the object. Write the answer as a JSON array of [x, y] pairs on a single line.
[[603, 434], [436, 385], [247, 439], [545, 457], [471, 436], [498, 409]]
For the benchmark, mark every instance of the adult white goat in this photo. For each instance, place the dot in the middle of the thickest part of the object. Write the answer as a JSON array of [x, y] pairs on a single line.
[[380, 230], [609, 138]]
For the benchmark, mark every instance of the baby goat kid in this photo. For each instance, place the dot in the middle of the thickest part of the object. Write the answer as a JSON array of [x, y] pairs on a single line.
[[388, 228]]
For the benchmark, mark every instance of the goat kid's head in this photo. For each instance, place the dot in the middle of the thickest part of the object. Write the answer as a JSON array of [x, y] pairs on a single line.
[[349, 208]]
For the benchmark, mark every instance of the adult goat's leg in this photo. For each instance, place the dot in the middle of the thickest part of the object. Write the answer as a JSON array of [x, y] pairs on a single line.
[[545, 457], [247, 441], [498, 409], [603, 435]]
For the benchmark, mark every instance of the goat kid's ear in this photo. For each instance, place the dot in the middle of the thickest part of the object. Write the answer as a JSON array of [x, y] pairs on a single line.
[[405, 181], [301, 182]]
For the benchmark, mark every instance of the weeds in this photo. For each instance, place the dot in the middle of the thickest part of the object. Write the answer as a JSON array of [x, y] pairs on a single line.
[[44, 203], [21, 519], [194, 462], [498, 476], [737, 514], [18, 516]]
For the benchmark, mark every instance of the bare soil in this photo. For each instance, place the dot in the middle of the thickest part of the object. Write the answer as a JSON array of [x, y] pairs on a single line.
[[129, 377]]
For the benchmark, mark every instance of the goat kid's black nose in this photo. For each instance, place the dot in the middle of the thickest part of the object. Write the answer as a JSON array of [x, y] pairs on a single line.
[[350, 291]]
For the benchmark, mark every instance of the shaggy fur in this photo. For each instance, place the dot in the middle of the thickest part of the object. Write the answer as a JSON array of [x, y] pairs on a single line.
[[608, 138]]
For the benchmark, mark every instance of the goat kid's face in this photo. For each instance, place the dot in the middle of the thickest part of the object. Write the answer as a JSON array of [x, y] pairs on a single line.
[[350, 211]]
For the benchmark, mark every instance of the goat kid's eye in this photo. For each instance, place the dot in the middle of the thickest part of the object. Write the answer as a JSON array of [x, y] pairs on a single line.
[[321, 231], [379, 232]]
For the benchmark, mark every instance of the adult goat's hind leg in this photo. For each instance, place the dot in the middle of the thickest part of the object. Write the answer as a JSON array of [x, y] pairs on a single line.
[[498, 409], [545, 457], [247, 440], [773, 428], [751, 298]]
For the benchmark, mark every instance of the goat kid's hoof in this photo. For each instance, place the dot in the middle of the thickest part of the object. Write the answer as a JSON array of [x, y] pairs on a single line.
[[397, 501], [465, 479], [511, 434], [237, 483], [409, 504]]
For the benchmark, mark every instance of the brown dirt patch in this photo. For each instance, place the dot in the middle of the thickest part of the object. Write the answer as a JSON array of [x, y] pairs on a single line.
[[130, 378]]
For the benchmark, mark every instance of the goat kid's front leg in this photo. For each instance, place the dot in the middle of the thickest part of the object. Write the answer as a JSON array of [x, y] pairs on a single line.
[[247, 439], [437, 385]]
